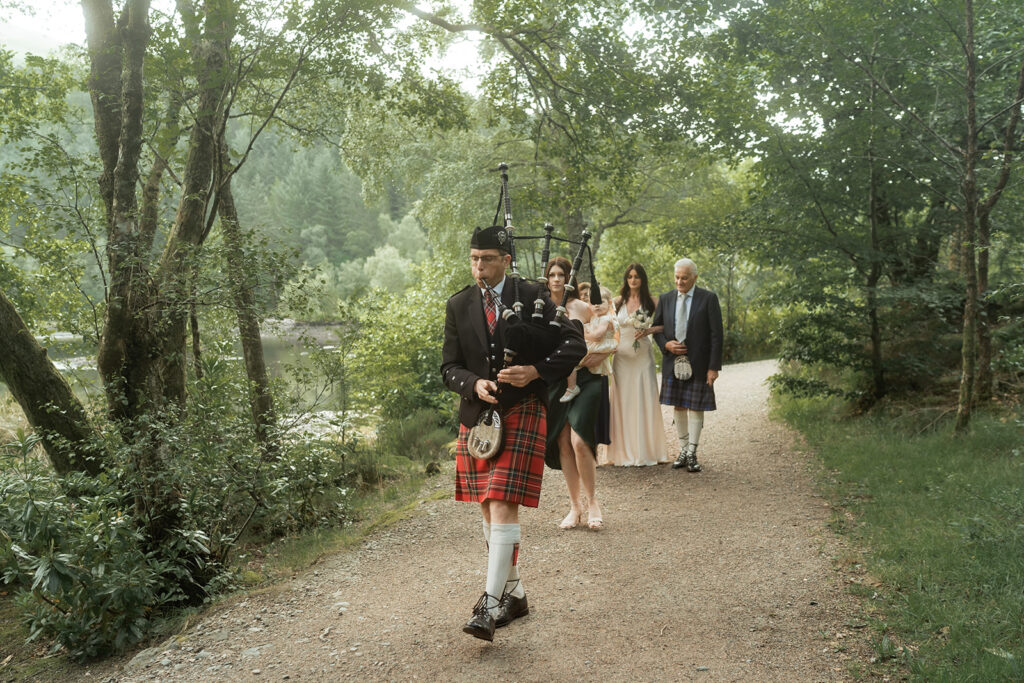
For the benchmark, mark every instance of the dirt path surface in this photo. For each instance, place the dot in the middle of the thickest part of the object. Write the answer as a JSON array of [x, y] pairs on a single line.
[[723, 575]]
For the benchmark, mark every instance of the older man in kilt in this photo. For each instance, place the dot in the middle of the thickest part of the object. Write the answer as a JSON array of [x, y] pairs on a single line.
[[692, 326], [471, 366]]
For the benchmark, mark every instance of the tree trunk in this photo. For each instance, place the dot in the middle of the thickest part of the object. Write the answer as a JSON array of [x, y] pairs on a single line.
[[104, 45], [875, 210], [142, 347], [878, 387], [984, 382], [956, 248], [48, 402], [574, 224], [125, 351], [730, 298], [193, 323], [970, 192], [243, 283]]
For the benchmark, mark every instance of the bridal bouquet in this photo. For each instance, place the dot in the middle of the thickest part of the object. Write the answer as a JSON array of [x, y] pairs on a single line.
[[641, 321]]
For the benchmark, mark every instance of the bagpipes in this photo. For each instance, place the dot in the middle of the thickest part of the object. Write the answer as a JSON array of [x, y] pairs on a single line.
[[527, 339]]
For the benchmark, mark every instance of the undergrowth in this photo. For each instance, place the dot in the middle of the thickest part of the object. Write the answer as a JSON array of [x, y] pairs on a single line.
[[75, 556]]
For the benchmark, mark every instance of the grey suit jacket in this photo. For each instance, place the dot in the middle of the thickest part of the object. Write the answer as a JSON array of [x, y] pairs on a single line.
[[703, 331]]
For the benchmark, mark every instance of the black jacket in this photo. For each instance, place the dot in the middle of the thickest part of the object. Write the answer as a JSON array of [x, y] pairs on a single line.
[[703, 331], [470, 353]]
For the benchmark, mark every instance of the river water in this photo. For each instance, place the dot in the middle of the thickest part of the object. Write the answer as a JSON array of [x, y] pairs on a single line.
[[283, 346]]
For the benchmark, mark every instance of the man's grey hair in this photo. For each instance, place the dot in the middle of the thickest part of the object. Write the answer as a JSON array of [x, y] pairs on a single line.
[[686, 263]]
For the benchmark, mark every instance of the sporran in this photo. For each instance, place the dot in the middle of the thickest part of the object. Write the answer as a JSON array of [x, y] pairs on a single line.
[[681, 368], [485, 437]]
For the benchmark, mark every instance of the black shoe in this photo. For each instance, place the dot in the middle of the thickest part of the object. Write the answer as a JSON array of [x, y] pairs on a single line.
[[481, 624], [691, 460], [680, 461], [510, 608]]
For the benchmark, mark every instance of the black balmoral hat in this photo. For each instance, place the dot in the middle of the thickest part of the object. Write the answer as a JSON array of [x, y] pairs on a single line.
[[494, 237]]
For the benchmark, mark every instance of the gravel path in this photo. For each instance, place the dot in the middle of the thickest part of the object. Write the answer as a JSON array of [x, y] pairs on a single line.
[[720, 576]]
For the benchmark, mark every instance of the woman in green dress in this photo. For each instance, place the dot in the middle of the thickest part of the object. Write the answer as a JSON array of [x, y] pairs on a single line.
[[572, 433]]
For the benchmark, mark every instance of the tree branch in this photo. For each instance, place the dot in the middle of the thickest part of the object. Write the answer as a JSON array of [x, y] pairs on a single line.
[[1011, 130], [952, 149]]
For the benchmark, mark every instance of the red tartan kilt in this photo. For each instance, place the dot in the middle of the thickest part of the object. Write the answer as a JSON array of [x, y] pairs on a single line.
[[514, 474]]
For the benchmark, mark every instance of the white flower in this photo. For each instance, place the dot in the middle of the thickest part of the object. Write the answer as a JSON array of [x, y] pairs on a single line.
[[641, 321]]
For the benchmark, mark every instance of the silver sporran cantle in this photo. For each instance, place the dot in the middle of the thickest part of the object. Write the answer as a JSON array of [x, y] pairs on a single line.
[[682, 368], [485, 437]]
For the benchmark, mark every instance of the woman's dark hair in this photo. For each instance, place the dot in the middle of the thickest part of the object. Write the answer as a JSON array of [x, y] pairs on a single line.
[[566, 267], [646, 302]]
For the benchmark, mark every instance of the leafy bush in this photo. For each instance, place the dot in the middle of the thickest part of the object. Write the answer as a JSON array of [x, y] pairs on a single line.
[[422, 435], [399, 353], [830, 332], [1008, 338], [77, 562]]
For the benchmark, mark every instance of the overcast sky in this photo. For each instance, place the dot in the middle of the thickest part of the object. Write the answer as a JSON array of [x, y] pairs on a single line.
[[54, 23]]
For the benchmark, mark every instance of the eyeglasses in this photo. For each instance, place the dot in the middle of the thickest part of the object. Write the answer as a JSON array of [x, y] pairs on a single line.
[[490, 258]]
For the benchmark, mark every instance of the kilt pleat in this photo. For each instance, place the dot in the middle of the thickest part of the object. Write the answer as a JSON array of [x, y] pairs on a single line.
[[514, 474], [692, 394]]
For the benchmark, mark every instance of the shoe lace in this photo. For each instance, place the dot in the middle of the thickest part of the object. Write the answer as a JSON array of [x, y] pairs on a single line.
[[481, 606], [507, 596]]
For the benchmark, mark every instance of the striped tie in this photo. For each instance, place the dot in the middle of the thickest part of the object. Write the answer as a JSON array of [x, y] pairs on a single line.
[[492, 314]]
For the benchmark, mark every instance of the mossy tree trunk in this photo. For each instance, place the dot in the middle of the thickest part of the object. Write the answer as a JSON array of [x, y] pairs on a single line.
[[243, 282], [142, 354], [45, 397], [969, 187]]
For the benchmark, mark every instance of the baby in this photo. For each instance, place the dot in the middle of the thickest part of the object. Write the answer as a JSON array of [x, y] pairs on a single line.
[[600, 333]]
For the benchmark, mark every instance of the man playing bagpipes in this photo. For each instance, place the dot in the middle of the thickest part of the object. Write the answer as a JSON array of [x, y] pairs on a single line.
[[501, 367]]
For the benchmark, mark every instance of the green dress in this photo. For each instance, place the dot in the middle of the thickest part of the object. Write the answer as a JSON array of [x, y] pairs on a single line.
[[582, 414]]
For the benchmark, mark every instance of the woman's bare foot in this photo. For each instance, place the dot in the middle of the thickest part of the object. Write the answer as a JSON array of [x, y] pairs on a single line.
[[594, 520], [571, 520]]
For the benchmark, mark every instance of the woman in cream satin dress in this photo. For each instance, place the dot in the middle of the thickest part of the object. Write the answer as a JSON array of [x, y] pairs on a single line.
[[637, 428]]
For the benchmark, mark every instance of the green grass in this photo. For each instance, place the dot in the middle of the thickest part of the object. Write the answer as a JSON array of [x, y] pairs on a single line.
[[940, 522], [21, 661]]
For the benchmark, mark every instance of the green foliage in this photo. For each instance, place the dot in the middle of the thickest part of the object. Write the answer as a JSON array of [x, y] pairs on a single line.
[[316, 293], [826, 333], [77, 561], [386, 270], [86, 576], [313, 196], [857, 129], [231, 482], [1007, 304], [399, 354], [941, 523], [47, 267], [421, 435]]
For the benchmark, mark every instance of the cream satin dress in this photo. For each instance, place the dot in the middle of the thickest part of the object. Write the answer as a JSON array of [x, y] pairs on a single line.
[[637, 429]]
